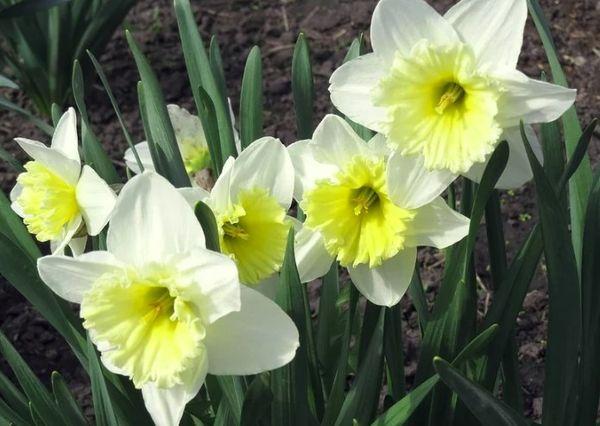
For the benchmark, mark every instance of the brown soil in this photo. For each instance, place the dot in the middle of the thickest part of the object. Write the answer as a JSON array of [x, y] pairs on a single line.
[[329, 26]]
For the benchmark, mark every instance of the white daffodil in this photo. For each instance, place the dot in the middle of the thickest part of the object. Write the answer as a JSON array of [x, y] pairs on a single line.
[[447, 87], [368, 209], [57, 199], [250, 201], [162, 309], [190, 139]]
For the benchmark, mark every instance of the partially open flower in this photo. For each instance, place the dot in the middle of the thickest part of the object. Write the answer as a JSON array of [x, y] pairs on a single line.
[[446, 87], [57, 199], [162, 309], [250, 201], [368, 210]]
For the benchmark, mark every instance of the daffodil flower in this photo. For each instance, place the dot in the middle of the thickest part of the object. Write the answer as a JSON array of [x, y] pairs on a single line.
[[447, 87], [250, 201], [162, 309], [57, 198], [368, 209], [190, 139]]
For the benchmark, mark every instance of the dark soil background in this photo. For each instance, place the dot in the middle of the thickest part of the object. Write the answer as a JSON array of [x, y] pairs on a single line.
[[329, 26]]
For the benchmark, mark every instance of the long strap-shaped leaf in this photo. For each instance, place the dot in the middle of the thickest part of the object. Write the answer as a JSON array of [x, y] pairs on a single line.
[[564, 323]]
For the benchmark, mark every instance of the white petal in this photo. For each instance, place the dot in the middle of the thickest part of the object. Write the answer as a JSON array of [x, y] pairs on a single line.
[[264, 164], [96, 200], [307, 169], [54, 160], [531, 100], [185, 124], [268, 287], [219, 195], [352, 86], [386, 284], [143, 151], [64, 139], [379, 144], [312, 258], [57, 246], [336, 143], [166, 406], [71, 277], [411, 185], [518, 170], [14, 194], [152, 220], [397, 25], [210, 281], [258, 338], [493, 28], [77, 245], [436, 225], [194, 194]]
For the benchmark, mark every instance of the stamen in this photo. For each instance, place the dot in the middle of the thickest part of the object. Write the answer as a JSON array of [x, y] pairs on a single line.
[[234, 230], [453, 93], [364, 199]]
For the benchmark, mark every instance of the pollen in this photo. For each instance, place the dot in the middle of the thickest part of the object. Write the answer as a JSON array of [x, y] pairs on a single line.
[[254, 233], [440, 106], [151, 332], [354, 214], [47, 200]]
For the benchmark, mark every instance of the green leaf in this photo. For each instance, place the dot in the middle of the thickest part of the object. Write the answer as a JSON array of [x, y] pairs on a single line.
[[20, 270], [209, 225], [418, 298], [40, 124], [7, 82], [13, 396], [328, 330], [394, 352], [65, 401], [12, 161], [589, 387], [489, 410], [580, 185], [12, 226], [564, 323], [257, 402], [201, 75], [103, 408], [116, 108], [450, 326], [28, 7], [579, 153], [38, 395], [216, 65], [233, 396], [251, 100], [361, 402], [292, 383], [161, 136], [8, 416], [401, 412], [208, 117], [303, 89], [335, 398]]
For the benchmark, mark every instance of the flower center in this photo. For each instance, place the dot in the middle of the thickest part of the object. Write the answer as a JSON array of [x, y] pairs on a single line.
[[365, 198], [452, 94], [48, 201], [254, 233], [354, 214], [441, 106], [151, 332], [234, 230]]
